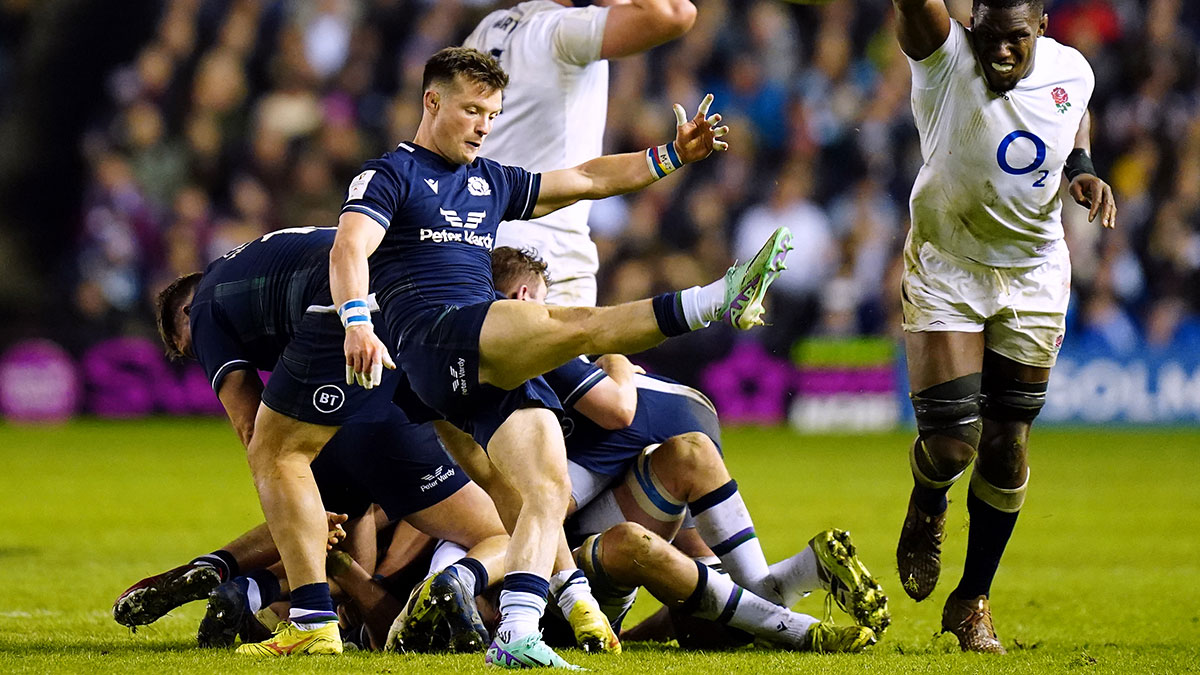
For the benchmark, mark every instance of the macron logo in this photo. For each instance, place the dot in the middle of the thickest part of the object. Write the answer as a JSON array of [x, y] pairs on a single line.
[[433, 184]]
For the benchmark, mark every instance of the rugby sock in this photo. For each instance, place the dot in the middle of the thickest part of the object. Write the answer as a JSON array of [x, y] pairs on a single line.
[[615, 600], [570, 587], [522, 603], [445, 554], [724, 524], [472, 573], [311, 606], [261, 589], [990, 529], [796, 576], [717, 598], [668, 312], [224, 562]]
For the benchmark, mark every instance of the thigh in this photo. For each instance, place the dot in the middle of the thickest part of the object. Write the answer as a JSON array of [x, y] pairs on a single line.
[[521, 340], [937, 357], [276, 435], [527, 447], [466, 517], [1030, 328]]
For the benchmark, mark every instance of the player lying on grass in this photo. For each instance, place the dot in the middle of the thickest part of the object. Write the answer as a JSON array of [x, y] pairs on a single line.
[[418, 227], [646, 449], [266, 305]]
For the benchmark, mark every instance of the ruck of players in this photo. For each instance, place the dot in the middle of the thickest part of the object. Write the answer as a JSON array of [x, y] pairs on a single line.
[[454, 451]]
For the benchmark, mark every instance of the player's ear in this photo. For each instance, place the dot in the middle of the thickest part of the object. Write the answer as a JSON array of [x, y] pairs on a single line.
[[522, 292], [1044, 23], [432, 100], [187, 310]]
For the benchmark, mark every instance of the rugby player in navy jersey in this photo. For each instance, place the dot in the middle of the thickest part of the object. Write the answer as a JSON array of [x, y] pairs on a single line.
[[418, 227], [645, 450], [266, 305]]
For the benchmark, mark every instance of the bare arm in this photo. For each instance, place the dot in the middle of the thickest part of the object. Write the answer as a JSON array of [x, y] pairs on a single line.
[[923, 26], [612, 403], [349, 277], [644, 24], [611, 175], [1086, 188], [240, 394]]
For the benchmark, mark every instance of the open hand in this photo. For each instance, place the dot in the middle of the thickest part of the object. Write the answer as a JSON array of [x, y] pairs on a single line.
[[698, 137]]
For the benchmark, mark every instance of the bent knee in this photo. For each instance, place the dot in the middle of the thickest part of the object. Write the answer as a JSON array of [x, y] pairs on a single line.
[[691, 451], [626, 543]]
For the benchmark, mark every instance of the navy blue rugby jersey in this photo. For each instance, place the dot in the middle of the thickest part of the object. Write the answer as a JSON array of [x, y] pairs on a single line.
[[441, 221], [665, 408], [250, 300]]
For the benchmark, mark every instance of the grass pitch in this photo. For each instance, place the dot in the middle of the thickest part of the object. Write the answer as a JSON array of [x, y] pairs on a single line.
[[1101, 575]]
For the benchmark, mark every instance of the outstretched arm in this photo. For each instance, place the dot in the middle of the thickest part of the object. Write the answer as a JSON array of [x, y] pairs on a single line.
[[357, 238], [923, 26], [644, 24], [611, 175], [1085, 187]]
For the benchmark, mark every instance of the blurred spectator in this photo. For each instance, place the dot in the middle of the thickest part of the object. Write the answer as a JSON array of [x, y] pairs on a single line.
[[240, 116]]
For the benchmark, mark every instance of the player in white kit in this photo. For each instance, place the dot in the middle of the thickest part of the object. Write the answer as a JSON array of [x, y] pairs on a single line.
[[1002, 115], [555, 108]]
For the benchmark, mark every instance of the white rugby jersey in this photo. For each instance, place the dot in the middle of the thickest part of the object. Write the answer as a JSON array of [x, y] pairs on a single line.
[[989, 188], [556, 102]]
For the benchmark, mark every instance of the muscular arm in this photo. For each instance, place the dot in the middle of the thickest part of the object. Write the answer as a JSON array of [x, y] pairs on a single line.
[[923, 26], [612, 403], [611, 175], [349, 277], [240, 394], [644, 24]]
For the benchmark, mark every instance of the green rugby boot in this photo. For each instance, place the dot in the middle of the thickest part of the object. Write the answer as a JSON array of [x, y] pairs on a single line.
[[826, 638], [849, 582], [746, 284], [526, 652]]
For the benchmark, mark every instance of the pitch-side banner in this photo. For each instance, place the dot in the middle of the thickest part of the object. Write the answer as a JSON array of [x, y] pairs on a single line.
[[1152, 387]]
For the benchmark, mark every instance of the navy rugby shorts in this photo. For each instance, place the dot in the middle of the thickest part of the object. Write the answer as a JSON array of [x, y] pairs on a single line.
[[439, 353], [391, 462]]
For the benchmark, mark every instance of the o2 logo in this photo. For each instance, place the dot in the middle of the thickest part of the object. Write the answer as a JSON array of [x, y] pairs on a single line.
[[1039, 148]]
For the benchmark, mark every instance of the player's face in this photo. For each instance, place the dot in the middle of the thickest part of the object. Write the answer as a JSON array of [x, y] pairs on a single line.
[[530, 290], [1003, 40], [463, 116]]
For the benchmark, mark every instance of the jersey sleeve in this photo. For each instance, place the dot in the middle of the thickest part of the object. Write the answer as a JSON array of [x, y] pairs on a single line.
[[523, 188], [376, 192], [579, 34], [216, 345], [573, 379], [934, 70]]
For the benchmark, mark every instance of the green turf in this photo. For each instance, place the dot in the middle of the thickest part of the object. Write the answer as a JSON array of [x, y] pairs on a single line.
[[1101, 576]]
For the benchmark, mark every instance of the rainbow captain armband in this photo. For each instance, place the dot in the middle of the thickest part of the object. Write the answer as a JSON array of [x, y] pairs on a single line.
[[355, 312], [663, 160]]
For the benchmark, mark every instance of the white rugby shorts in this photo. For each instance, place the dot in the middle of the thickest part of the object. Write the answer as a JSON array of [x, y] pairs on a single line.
[[1020, 310]]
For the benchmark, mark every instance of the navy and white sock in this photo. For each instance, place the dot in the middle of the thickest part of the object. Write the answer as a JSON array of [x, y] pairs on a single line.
[[472, 573], [724, 524], [261, 588], [717, 598], [522, 603], [570, 587], [445, 554], [312, 606], [221, 560]]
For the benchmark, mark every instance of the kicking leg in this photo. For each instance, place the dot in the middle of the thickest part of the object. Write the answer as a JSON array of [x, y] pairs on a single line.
[[521, 340]]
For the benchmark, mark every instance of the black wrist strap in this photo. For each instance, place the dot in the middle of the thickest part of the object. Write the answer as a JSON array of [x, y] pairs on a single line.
[[1079, 163]]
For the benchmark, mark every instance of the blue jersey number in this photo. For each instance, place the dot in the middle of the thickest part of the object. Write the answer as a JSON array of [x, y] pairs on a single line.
[[1039, 147]]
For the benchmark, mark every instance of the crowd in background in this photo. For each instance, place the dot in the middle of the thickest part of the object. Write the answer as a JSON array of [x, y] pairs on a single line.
[[243, 116]]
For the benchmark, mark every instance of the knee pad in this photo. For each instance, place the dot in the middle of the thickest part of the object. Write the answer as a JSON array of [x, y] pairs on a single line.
[[1007, 500], [950, 410], [649, 493], [1007, 399]]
